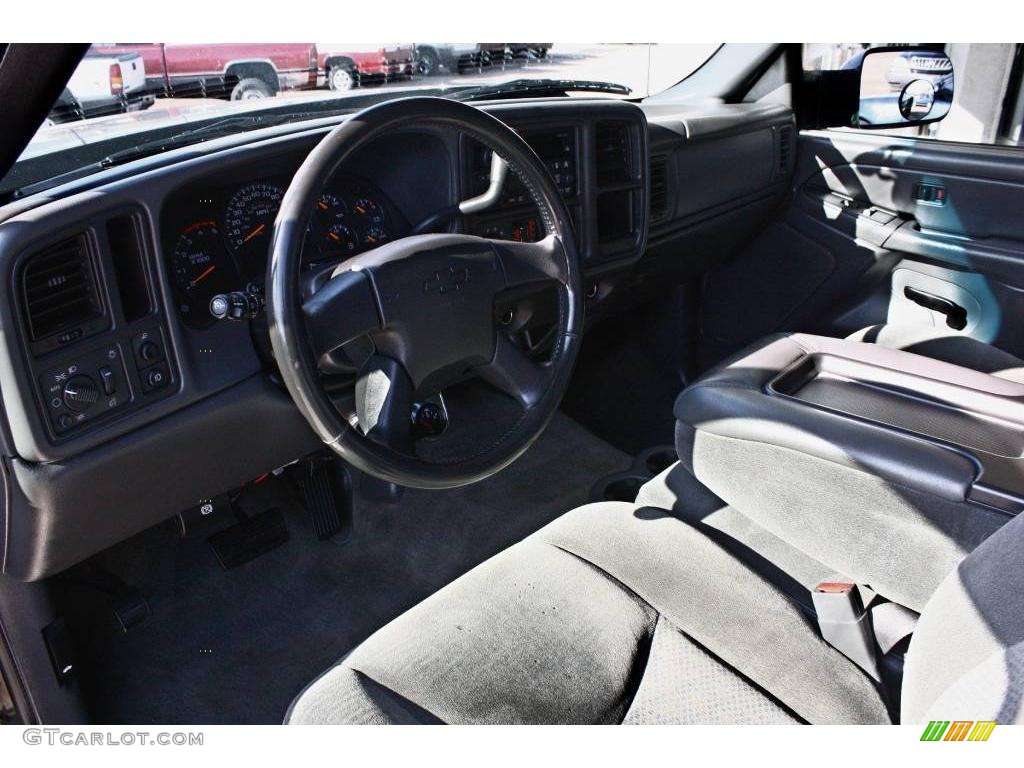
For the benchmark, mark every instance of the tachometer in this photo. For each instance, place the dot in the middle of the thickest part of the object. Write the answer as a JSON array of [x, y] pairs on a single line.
[[250, 215], [200, 269]]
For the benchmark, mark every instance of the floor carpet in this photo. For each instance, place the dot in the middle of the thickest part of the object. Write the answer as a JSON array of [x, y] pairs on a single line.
[[236, 646]]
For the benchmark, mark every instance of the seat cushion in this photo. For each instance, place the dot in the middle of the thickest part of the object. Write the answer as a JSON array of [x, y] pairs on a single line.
[[966, 659], [612, 613], [945, 345]]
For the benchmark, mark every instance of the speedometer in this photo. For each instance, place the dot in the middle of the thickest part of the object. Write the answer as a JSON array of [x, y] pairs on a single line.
[[200, 269], [250, 215]]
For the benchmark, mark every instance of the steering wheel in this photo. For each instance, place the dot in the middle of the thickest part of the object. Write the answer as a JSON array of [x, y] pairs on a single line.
[[419, 313]]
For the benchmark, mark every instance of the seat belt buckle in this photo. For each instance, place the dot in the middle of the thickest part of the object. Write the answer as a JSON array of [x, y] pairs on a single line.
[[845, 625]]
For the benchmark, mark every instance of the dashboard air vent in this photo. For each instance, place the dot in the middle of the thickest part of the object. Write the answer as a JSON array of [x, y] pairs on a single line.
[[659, 188], [614, 156], [784, 150], [59, 289]]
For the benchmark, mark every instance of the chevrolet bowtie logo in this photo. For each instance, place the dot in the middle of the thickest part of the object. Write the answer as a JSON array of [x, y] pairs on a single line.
[[446, 280]]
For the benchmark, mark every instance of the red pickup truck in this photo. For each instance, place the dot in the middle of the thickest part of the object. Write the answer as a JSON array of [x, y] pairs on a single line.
[[235, 70], [346, 65]]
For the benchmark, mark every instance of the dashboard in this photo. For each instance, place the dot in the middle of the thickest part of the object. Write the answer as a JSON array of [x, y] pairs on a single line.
[[217, 236], [125, 401]]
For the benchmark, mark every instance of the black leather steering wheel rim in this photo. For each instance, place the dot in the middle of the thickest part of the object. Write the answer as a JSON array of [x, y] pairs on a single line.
[[297, 355]]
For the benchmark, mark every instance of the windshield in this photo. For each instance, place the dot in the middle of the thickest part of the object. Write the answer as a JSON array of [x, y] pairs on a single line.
[[126, 100]]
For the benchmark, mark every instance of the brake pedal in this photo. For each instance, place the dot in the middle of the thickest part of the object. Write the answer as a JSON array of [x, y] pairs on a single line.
[[326, 488]]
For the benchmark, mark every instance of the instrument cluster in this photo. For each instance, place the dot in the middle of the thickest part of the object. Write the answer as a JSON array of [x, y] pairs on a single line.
[[224, 246]]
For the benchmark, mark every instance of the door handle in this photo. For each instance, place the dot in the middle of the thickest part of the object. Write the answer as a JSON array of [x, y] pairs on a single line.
[[956, 316]]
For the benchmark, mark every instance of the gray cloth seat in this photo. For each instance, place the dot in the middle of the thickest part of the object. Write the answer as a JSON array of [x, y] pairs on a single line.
[[646, 613], [612, 613], [618, 613], [946, 345]]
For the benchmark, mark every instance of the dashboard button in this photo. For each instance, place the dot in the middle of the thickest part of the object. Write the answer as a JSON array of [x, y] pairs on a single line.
[[107, 377], [149, 351], [148, 346], [154, 378]]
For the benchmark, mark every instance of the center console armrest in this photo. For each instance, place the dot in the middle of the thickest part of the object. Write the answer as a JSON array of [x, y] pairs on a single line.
[[886, 465]]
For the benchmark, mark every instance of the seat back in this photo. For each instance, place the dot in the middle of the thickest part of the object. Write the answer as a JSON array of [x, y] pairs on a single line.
[[966, 658]]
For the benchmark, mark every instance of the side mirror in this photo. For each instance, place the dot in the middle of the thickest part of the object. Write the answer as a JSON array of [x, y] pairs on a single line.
[[902, 87]]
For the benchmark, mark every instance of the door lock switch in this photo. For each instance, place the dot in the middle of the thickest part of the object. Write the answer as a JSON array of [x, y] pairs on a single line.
[[930, 194]]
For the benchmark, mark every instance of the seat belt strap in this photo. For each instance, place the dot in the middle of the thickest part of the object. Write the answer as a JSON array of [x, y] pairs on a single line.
[[845, 625], [892, 622]]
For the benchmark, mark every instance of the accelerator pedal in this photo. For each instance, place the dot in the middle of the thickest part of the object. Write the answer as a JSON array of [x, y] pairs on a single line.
[[326, 488], [249, 538]]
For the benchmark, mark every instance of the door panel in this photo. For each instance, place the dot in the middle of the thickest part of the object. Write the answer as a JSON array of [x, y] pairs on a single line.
[[883, 229]]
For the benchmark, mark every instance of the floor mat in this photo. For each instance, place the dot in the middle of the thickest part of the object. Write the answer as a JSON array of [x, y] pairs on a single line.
[[236, 646], [628, 377]]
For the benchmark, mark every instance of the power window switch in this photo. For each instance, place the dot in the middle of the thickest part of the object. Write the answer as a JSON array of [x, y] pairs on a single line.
[[109, 384]]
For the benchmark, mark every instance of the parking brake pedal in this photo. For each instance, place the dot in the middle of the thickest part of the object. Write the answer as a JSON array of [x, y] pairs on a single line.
[[126, 602], [326, 487]]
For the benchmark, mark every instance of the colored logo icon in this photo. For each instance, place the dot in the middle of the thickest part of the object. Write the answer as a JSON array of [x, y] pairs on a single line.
[[958, 730]]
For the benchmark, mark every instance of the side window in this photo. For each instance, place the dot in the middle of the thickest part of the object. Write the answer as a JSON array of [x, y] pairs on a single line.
[[987, 96]]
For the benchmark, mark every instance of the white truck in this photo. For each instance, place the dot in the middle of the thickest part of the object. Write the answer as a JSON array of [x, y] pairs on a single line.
[[103, 84]]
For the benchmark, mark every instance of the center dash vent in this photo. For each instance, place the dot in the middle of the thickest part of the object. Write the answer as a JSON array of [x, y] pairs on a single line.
[[659, 188], [784, 150], [614, 153], [59, 292]]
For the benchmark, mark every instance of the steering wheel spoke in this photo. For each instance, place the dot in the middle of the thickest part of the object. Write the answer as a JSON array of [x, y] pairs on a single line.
[[343, 309], [384, 399], [526, 263], [515, 373]]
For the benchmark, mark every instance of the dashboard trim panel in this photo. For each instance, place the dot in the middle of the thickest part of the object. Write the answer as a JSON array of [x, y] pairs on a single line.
[[223, 419]]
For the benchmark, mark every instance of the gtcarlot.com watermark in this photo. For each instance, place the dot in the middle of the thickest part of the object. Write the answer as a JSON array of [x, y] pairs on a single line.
[[68, 737]]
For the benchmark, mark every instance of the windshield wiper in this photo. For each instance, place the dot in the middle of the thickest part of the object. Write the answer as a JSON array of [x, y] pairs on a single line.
[[536, 88], [211, 130], [49, 175], [194, 136]]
